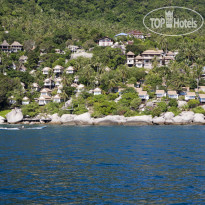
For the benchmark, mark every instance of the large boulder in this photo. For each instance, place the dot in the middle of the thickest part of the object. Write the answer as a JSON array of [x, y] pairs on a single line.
[[110, 120], [2, 120], [185, 117], [182, 103], [158, 120], [68, 119], [14, 116], [168, 116], [83, 119], [55, 119], [199, 119], [139, 120]]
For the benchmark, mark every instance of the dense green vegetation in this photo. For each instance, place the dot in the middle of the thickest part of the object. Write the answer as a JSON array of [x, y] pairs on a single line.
[[44, 25]]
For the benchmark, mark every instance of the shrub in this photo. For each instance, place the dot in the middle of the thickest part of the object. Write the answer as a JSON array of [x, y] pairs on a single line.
[[163, 106], [156, 112], [112, 96], [105, 108], [135, 103], [193, 103], [80, 109], [199, 110], [175, 110], [127, 99], [173, 103], [51, 108], [31, 109]]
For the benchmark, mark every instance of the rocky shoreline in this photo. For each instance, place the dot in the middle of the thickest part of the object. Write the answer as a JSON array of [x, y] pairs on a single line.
[[168, 118]]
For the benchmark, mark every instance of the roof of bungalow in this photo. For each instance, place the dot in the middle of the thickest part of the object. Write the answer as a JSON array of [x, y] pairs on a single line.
[[58, 67], [16, 43], [70, 68], [202, 87], [134, 32], [201, 95], [121, 34], [172, 92], [47, 80], [23, 57], [130, 53], [168, 57], [139, 57], [60, 86], [191, 94], [153, 52], [46, 69], [5, 43], [35, 85], [160, 92], [81, 86], [58, 79], [57, 97], [43, 97], [130, 85], [25, 99], [138, 90], [45, 90], [74, 85], [97, 90], [170, 53], [105, 38], [142, 93]]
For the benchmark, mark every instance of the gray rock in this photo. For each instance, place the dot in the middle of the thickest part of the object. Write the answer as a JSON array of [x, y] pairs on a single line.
[[168, 115], [139, 120], [149, 104], [55, 118], [199, 118], [182, 103], [110, 120], [158, 120], [185, 117], [83, 119], [68, 119], [2, 120], [14, 116]]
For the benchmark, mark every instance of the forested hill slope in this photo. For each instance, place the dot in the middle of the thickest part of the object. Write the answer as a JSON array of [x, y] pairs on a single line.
[[42, 20]]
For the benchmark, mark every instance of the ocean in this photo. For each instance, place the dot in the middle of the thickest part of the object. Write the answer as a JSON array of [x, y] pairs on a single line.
[[103, 165]]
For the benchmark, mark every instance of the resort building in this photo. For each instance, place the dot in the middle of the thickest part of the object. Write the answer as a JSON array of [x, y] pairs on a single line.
[[58, 81], [80, 88], [35, 87], [190, 96], [5, 47], [12, 100], [57, 99], [25, 101], [16, 46], [202, 98], [76, 79], [46, 70], [70, 70], [58, 69], [173, 94], [137, 34], [23, 59], [160, 93], [147, 57], [44, 99], [97, 91], [143, 95], [106, 41], [49, 83]]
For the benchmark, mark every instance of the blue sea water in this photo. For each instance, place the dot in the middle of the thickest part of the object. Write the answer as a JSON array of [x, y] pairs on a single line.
[[103, 165]]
